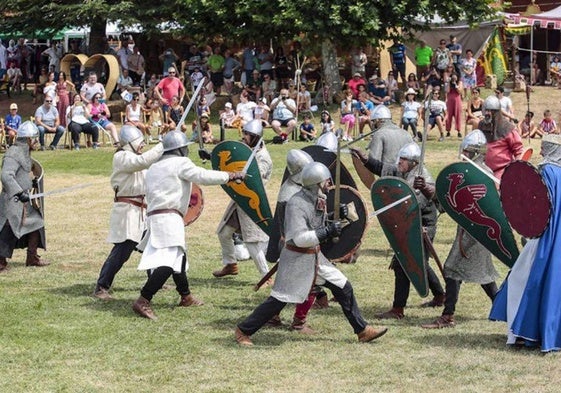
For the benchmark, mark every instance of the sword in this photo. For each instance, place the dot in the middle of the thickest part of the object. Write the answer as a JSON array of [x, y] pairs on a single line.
[[388, 207], [250, 159], [463, 157], [189, 105], [337, 196], [55, 192], [266, 277]]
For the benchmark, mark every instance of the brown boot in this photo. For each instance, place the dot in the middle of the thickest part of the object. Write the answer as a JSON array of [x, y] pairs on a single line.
[[301, 326], [371, 333], [32, 244], [102, 294], [189, 300], [394, 313], [230, 269], [274, 322], [321, 302], [242, 338], [437, 301], [3, 265], [142, 308], [443, 321]]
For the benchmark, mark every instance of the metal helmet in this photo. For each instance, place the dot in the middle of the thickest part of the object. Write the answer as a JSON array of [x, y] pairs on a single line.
[[492, 103], [314, 173], [254, 127], [328, 140], [410, 151], [296, 160], [474, 142], [174, 140], [381, 112], [28, 130], [129, 134]]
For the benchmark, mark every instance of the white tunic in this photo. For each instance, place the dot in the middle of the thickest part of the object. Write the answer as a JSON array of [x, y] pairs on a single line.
[[168, 186], [129, 169]]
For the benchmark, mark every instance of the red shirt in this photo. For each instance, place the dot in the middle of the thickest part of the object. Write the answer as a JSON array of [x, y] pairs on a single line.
[[170, 86], [503, 151]]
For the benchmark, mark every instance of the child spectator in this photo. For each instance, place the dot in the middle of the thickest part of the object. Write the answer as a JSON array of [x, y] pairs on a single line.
[[547, 125], [347, 113], [327, 123], [307, 130], [203, 126], [156, 116], [196, 77], [12, 123], [527, 128], [228, 116], [262, 111], [175, 114]]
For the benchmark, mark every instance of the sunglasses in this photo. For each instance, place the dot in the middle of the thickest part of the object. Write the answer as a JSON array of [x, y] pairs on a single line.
[[136, 99], [48, 101], [172, 72]]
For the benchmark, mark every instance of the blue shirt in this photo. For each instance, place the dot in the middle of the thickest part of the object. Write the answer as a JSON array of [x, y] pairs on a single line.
[[368, 104], [13, 121], [398, 53]]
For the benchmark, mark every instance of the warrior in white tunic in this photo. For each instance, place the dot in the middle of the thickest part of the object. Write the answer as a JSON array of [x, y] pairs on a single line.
[[129, 207], [235, 219], [305, 227], [168, 192], [21, 222], [468, 259]]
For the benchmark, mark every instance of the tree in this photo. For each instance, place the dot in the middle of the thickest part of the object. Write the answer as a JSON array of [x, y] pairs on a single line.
[[327, 23]]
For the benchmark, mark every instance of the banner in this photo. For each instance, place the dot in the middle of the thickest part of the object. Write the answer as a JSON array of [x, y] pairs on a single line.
[[493, 58]]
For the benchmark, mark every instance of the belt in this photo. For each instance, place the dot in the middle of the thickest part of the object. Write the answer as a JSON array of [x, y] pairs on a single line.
[[312, 250], [164, 211], [132, 201]]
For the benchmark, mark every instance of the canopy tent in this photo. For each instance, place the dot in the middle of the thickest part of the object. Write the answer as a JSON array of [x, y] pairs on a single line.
[[546, 20]]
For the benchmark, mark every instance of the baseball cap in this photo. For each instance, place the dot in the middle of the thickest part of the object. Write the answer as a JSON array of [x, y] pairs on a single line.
[[228, 105], [357, 74], [13, 106]]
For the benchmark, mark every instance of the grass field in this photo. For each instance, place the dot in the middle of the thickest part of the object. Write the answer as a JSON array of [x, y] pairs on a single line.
[[55, 337]]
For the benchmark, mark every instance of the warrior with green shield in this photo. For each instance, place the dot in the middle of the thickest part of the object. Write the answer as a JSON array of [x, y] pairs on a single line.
[[407, 168], [468, 260], [236, 220]]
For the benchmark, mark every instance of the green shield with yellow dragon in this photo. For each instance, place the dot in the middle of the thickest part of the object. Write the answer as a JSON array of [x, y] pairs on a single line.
[[249, 194]]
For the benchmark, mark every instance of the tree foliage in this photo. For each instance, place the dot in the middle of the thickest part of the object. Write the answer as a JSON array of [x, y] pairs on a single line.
[[359, 22]]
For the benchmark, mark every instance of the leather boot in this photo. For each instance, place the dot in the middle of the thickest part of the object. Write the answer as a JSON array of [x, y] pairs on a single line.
[[321, 302], [3, 265], [371, 333], [189, 300], [444, 321], [394, 313], [437, 301], [142, 307], [301, 326], [230, 269], [242, 338], [32, 258], [274, 322]]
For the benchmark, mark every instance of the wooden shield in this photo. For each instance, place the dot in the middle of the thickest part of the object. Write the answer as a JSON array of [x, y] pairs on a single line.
[[37, 174], [196, 205], [402, 227], [472, 200], [249, 194], [525, 199], [364, 174], [527, 154], [354, 227]]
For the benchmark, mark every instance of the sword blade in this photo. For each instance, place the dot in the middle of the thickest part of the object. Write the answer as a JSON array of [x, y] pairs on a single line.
[[388, 207], [481, 169], [59, 191]]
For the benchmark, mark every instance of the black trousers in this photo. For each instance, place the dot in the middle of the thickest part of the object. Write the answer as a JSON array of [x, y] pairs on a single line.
[[9, 242], [87, 128], [120, 253], [453, 292], [158, 278], [271, 307]]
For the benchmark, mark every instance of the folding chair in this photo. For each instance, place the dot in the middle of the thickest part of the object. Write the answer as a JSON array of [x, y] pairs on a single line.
[[104, 133]]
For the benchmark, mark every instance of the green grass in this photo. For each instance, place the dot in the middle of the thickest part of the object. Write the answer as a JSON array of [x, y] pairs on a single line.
[[55, 337]]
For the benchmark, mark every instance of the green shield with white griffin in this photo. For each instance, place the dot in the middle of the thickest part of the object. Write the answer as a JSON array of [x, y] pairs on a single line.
[[471, 199], [248, 194], [402, 227]]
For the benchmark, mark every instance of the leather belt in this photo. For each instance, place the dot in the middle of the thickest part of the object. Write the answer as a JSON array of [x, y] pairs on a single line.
[[164, 211], [130, 200], [313, 250]]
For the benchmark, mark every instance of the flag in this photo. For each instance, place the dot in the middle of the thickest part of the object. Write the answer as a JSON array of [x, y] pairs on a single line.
[[493, 57]]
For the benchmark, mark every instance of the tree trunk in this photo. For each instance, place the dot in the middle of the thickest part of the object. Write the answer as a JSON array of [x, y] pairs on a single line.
[[98, 38], [331, 77]]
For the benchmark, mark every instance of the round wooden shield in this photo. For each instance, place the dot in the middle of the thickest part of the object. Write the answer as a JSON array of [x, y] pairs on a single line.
[[525, 199], [344, 250], [196, 205]]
